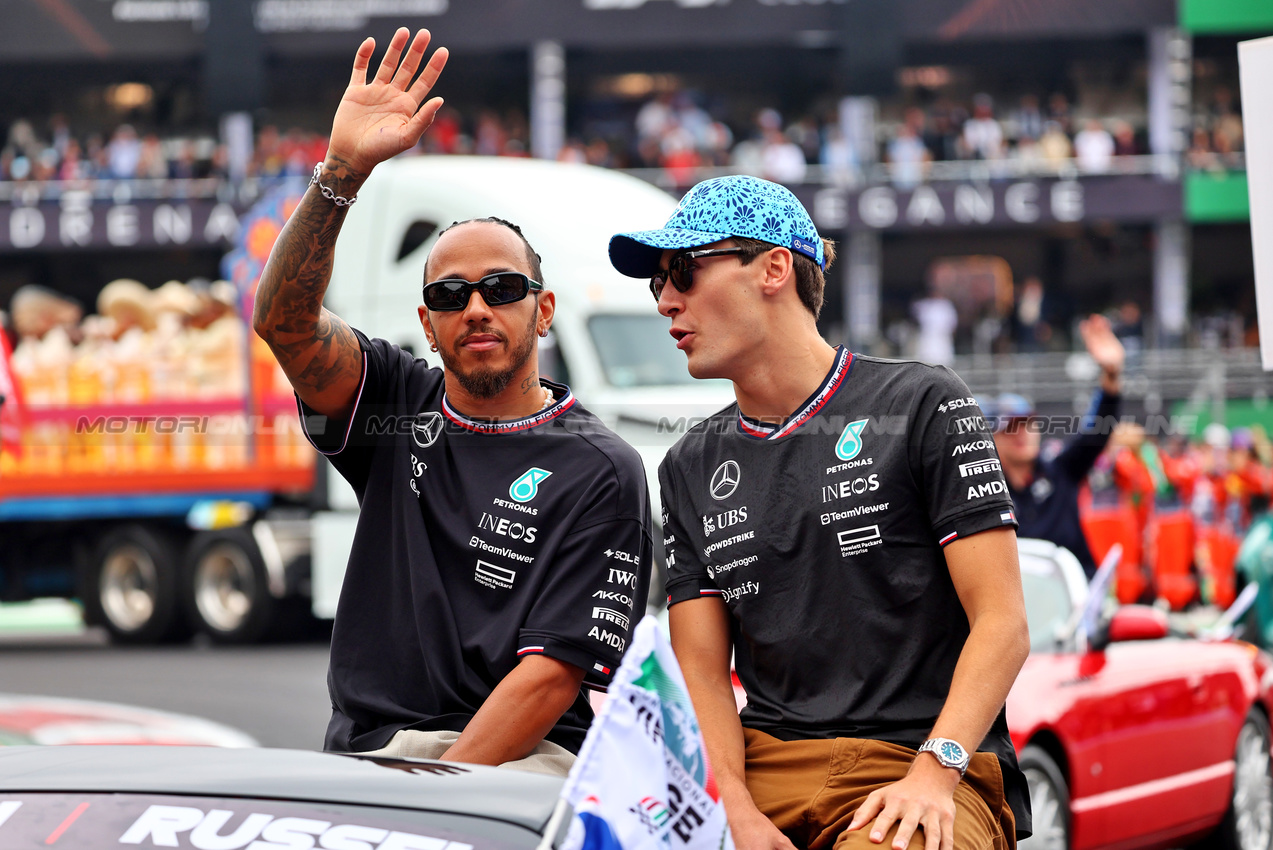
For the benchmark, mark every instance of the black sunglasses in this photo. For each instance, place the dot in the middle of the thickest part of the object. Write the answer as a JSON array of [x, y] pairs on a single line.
[[679, 271], [497, 289]]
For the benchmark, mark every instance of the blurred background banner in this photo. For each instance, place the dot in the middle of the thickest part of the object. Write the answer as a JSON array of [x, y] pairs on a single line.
[[1257, 108]]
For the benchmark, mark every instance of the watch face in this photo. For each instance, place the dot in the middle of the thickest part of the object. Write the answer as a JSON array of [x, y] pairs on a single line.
[[951, 752]]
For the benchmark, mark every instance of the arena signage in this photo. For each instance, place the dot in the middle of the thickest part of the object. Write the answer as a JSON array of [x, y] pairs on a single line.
[[1009, 203], [78, 221]]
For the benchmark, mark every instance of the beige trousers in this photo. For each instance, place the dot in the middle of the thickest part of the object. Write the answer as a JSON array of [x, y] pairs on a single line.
[[547, 757]]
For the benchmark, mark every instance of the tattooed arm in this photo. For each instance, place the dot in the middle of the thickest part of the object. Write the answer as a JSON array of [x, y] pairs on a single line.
[[316, 348], [375, 121]]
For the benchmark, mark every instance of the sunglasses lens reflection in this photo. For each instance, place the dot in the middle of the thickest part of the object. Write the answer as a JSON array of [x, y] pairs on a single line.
[[497, 289]]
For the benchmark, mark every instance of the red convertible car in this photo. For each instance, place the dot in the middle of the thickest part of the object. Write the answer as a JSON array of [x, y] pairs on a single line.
[[1131, 736]]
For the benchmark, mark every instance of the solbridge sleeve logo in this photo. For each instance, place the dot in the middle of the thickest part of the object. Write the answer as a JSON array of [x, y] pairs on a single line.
[[851, 440], [526, 487]]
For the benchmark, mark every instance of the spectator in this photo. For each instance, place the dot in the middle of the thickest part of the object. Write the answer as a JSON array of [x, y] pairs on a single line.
[[572, 151], [780, 160], [20, 169], [937, 320], [267, 159], [1054, 145], [654, 118], [1094, 148], [1225, 122], [1200, 155], [1029, 155], [490, 136], [983, 137], [73, 166], [1028, 119], [182, 166], [45, 165], [1031, 331], [97, 153], [805, 135], [719, 140], [151, 163], [838, 157], [1129, 327], [23, 141], [908, 156], [597, 153], [943, 139], [1226, 156], [124, 152], [1059, 111], [688, 116], [60, 132], [1045, 492], [1124, 139], [445, 130], [680, 157]]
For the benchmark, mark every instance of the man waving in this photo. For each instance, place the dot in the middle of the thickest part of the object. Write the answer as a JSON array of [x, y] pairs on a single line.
[[503, 546]]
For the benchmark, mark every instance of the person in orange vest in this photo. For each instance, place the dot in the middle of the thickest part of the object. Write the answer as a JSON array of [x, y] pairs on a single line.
[[1249, 482], [1133, 475], [1180, 467]]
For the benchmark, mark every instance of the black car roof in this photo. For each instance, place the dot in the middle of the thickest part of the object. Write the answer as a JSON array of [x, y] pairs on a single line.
[[513, 796]]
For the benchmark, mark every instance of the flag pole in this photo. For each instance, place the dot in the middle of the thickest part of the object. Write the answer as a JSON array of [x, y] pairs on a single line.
[[560, 812]]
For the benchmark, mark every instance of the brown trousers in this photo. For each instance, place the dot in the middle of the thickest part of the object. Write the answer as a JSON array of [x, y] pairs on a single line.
[[810, 789]]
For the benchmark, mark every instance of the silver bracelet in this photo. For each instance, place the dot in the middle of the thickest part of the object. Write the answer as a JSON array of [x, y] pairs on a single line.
[[328, 193]]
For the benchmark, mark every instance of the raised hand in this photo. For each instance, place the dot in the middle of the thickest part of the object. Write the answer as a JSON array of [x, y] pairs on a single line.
[[382, 117], [1104, 347]]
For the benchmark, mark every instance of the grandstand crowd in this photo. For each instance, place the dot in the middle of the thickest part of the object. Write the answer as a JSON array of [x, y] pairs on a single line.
[[673, 131]]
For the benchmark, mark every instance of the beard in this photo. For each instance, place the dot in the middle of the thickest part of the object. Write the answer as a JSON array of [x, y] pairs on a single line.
[[484, 381]]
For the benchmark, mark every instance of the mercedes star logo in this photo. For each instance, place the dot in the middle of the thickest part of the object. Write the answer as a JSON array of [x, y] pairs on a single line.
[[725, 480], [426, 428]]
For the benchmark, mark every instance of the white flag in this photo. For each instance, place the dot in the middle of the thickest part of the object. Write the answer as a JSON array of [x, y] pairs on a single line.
[[642, 780]]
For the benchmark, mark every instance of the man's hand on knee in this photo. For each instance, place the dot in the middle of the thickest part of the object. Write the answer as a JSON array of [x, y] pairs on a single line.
[[924, 798]]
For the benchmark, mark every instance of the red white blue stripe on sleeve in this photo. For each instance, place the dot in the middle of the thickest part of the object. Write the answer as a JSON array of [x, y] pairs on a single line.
[[528, 650], [948, 538]]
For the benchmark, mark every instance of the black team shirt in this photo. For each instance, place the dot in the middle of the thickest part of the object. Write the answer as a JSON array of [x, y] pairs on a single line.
[[824, 535], [477, 544]]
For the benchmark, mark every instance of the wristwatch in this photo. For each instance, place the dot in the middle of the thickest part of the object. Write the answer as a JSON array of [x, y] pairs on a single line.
[[949, 753]]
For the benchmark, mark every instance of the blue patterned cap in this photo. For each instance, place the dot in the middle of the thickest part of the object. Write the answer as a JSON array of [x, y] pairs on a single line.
[[718, 209]]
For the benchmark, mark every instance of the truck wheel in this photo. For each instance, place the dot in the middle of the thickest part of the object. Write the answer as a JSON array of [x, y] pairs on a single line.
[[133, 586], [226, 587]]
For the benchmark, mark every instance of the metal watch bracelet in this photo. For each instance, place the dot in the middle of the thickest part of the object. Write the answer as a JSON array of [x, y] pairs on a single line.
[[328, 193]]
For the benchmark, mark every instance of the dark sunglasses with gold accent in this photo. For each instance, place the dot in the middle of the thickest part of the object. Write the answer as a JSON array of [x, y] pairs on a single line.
[[680, 271], [497, 289]]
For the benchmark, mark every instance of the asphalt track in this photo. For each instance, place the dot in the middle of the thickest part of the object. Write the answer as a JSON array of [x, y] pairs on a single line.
[[275, 693]]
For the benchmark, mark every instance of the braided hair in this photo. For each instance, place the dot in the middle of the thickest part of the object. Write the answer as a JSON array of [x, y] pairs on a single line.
[[532, 258]]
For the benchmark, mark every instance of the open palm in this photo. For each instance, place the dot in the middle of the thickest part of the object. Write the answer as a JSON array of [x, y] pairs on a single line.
[[1104, 347], [382, 117]]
